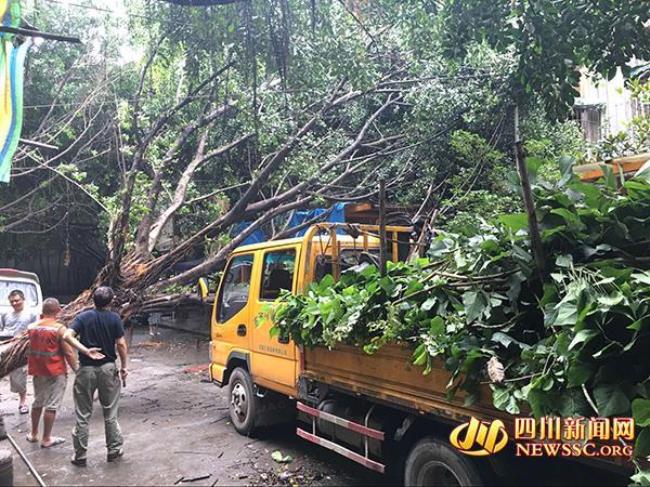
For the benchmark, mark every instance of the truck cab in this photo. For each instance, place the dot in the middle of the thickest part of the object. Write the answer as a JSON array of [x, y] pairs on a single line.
[[243, 354]]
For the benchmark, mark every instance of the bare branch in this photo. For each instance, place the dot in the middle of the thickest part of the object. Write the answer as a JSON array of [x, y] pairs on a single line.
[[214, 261], [340, 157], [30, 215], [27, 195], [181, 188], [215, 192]]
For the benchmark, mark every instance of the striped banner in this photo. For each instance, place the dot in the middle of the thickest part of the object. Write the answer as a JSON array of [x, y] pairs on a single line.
[[12, 61]]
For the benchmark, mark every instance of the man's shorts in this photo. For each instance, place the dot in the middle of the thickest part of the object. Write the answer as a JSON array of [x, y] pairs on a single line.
[[48, 391], [18, 380]]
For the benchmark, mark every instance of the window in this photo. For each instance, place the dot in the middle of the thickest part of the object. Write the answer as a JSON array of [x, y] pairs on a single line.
[[236, 284], [277, 273], [28, 289], [348, 258], [639, 108], [590, 119]]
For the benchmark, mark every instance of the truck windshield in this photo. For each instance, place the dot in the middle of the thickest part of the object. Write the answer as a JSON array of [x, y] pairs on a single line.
[[28, 289]]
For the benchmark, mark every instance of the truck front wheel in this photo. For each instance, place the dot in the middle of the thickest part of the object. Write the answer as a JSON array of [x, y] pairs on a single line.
[[243, 401], [431, 462]]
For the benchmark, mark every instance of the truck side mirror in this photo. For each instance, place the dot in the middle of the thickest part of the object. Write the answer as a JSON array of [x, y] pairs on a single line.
[[202, 288]]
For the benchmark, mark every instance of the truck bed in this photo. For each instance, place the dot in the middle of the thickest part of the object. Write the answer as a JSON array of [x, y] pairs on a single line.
[[389, 376]]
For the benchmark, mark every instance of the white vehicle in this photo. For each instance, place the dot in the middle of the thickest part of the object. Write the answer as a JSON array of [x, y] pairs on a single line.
[[27, 282]]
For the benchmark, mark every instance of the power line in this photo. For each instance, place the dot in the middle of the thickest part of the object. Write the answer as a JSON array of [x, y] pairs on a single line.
[[87, 7], [39, 33], [97, 9], [65, 104]]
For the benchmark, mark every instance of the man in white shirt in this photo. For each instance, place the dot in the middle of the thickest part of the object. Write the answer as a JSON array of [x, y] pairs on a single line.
[[14, 324]]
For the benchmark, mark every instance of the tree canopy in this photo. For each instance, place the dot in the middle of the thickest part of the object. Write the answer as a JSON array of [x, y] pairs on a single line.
[[173, 124]]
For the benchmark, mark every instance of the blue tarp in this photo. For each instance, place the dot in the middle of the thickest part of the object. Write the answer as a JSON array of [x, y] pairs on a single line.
[[336, 214], [256, 237]]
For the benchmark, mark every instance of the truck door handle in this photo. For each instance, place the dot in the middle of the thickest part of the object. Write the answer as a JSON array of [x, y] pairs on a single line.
[[241, 330]]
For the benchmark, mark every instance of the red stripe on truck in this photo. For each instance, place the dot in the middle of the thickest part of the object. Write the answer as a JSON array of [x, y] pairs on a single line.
[[366, 462], [351, 425]]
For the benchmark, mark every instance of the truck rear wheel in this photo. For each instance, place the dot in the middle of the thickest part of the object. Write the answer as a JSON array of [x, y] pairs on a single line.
[[244, 403], [432, 462]]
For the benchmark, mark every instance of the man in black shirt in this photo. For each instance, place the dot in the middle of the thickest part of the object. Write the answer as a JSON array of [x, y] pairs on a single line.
[[99, 335]]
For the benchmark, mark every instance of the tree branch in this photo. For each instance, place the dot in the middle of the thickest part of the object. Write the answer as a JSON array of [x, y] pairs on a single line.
[[184, 181]]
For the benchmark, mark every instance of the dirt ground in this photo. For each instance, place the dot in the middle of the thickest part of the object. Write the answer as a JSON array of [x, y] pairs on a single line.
[[175, 424]]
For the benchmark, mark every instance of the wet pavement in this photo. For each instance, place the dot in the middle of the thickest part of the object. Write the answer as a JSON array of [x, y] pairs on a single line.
[[176, 428]]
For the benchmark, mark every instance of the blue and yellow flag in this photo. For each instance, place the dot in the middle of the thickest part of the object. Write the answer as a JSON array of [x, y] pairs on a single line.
[[12, 61]]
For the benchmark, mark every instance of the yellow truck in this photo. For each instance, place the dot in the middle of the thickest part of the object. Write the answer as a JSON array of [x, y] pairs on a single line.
[[378, 410]]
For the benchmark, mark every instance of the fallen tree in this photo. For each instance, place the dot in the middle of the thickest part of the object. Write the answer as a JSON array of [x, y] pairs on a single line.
[[136, 269]]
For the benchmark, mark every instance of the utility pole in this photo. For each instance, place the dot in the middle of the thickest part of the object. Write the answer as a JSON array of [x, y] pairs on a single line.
[[529, 203], [382, 227]]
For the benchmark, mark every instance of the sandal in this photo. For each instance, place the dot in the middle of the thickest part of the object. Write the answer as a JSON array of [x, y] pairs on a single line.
[[24, 409], [31, 439], [56, 440]]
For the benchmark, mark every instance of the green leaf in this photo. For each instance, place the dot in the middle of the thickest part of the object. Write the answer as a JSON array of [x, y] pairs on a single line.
[[566, 164], [583, 336], [429, 303], [500, 398], [573, 403], [506, 340], [571, 218], [642, 444], [579, 373], [641, 478], [280, 458], [515, 222], [533, 164], [643, 174], [610, 400], [437, 326], [641, 412], [550, 293], [612, 300], [608, 176], [565, 260], [567, 314], [475, 304], [636, 325], [420, 355], [505, 401], [642, 277]]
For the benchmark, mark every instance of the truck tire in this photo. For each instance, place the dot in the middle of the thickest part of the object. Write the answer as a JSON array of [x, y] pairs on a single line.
[[244, 403], [432, 462]]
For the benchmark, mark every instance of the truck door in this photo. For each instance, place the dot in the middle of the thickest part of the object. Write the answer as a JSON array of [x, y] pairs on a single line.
[[274, 362], [231, 318]]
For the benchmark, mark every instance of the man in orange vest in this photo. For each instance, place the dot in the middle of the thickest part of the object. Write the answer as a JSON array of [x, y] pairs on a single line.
[[47, 363]]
